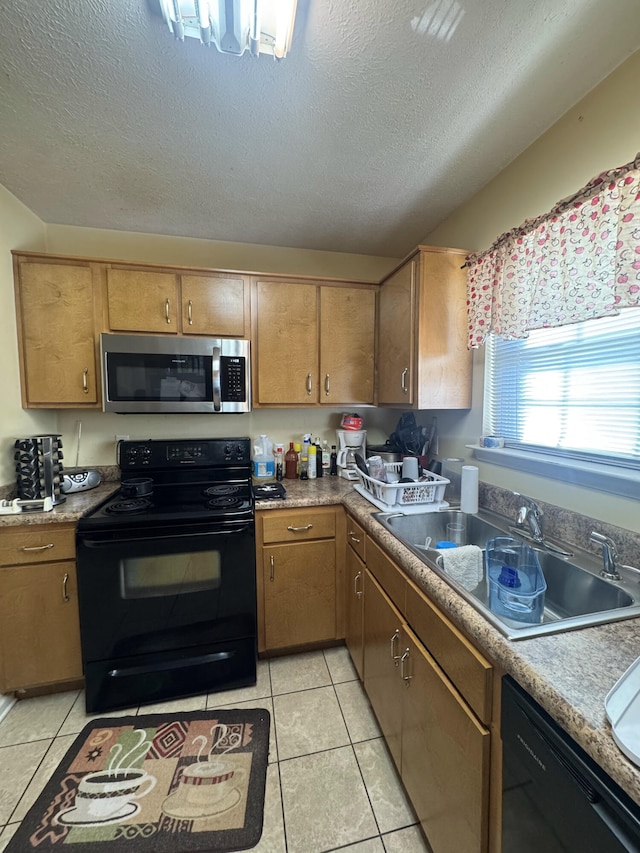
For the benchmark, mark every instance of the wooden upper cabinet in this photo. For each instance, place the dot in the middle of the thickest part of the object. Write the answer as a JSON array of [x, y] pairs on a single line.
[[215, 305], [424, 362], [57, 334], [396, 331], [286, 346], [314, 344], [140, 301], [347, 345]]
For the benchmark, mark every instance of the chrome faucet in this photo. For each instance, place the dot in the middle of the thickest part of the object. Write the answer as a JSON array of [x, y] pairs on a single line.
[[530, 514], [609, 555]]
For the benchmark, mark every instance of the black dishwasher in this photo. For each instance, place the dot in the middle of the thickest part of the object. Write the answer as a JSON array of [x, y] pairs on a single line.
[[555, 798]]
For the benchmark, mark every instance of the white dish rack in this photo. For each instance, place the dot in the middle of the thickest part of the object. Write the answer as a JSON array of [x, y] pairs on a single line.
[[421, 496]]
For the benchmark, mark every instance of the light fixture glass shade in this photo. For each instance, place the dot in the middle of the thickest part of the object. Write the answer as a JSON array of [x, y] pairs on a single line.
[[234, 26]]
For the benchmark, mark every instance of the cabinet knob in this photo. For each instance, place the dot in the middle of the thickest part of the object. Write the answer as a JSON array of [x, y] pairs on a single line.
[[403, 382], [85, 383], [167, 305]]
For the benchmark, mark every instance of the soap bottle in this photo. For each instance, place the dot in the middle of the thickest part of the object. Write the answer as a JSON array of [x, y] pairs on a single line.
[[326, 457], [333, 460], [291, 463], [312, 461]]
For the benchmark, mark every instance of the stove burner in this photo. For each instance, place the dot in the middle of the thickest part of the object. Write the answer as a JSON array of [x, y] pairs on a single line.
[[224, 502], [222, 489], [129, 505]]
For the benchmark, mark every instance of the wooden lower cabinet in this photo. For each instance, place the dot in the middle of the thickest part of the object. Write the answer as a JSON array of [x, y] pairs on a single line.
[[39, 626], [297, 567], [441, 747]]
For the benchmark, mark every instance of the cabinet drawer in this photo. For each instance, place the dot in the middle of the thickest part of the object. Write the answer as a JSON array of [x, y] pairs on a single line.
[[356, 537], [298, 525], [388, 575], [465, 667], [37, 543]]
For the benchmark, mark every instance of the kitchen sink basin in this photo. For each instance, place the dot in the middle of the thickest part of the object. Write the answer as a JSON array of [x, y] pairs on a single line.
[[576, 595]]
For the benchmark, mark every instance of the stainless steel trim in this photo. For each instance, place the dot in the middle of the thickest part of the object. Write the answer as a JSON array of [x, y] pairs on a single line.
[[215, 373]]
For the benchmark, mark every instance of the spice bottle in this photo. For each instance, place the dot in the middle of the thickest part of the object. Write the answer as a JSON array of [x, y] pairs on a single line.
[[291, 463]]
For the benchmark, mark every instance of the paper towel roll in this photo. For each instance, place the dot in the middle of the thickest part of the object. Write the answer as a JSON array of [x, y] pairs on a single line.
[[469, 489]]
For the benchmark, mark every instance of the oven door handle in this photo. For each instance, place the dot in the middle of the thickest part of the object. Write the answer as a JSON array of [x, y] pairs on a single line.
[[100, 543], [215, 371]]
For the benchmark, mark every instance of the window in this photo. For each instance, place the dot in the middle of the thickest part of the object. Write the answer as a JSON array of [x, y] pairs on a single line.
[[572, 390]]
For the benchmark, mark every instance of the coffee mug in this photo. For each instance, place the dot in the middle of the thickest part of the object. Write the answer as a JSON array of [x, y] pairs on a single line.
[[102, 794]]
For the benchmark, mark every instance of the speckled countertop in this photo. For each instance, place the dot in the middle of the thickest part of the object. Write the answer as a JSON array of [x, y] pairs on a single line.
[[569, 674]]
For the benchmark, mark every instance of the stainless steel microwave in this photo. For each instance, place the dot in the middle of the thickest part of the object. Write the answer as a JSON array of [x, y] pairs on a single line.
[[147, 374]]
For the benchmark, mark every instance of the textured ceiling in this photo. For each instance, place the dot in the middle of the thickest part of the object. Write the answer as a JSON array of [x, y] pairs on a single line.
[[373, 130]]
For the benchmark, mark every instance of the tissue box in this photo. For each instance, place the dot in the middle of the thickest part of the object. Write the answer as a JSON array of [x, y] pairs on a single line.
[[516, 582]]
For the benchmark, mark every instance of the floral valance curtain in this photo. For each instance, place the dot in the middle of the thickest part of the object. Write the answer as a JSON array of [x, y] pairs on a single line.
[[579, 261]]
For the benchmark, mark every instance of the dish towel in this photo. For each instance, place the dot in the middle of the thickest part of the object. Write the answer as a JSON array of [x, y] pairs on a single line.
[[464, 565]]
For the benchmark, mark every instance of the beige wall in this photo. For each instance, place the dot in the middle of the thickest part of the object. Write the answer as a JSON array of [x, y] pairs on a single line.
[[19, 229], [160, 249], [601, 132]]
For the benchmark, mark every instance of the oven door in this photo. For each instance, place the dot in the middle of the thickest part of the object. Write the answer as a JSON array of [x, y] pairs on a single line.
[[165, 605]]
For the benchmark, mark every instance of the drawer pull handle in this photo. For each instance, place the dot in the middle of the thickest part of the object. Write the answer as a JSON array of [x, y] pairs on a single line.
[[65, 580], [272, 563], [85, 384], [354, 538], [327, 384], [38, 547], [167, 304], [297, 529], [405, 678], [357, 591], [403, 383], [190, 312], [309, 384], [394, 656]]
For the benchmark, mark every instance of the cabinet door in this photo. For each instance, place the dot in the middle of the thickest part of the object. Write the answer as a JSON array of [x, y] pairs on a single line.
[[215, 305], [39, 625], [347, 343], [354, 576], [299, 584], [142, 301], [396, 337], [382, 653], [287, 343], [57, 334], [445, 756]]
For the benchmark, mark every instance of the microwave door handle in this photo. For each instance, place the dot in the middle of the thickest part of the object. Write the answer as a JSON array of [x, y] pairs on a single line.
[[215, 371]]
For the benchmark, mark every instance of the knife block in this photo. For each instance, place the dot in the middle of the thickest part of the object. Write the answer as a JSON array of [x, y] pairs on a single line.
[[39, 468]]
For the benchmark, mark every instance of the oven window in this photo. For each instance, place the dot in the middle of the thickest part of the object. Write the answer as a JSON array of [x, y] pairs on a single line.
[[170, 574]]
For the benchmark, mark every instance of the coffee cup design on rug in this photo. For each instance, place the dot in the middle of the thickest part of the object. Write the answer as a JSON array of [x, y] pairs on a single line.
[[109, 795], [211, 785]]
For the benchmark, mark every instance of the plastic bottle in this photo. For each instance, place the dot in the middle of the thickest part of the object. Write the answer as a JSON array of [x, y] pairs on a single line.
[[264, 467], [333, 461], [326, 457], [279, 460], [312, 462], [304, 465], [291, 463], [298, 449]]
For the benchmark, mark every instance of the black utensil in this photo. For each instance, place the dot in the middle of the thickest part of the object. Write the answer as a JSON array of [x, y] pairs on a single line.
[[362, 465]]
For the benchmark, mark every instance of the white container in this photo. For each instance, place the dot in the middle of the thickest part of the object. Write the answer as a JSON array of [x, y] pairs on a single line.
[[264, 465], [423, 496]]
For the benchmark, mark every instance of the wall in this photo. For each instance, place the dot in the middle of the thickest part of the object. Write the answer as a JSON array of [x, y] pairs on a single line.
[[602, 131], [19, 229]]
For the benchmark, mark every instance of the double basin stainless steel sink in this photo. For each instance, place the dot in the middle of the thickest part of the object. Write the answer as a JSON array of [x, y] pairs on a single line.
[[576, 595]]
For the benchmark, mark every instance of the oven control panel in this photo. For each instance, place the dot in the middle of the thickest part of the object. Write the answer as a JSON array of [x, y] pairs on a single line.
[[166, 454]]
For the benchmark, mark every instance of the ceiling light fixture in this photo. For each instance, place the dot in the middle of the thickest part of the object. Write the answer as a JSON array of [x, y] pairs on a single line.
[[234, 26]]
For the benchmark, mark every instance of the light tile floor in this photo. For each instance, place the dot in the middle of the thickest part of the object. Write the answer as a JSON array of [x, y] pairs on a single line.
[[331, 784]]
